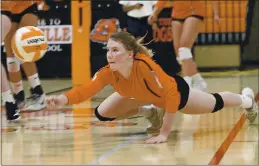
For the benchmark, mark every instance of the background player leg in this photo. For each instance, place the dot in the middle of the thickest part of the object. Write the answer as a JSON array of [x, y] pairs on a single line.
[[13, 67], [177, 33], [191, 28], [11, 108], [31, 72], [30, 69]]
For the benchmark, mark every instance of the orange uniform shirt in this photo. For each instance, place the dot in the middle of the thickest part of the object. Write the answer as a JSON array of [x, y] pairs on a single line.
[[144, 84], [17, 7], [184, 8]]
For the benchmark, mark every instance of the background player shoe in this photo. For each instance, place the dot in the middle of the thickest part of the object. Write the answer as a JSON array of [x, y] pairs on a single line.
[[200, 85], [37, 102], [12, 112], [20, 100], [188, 80]]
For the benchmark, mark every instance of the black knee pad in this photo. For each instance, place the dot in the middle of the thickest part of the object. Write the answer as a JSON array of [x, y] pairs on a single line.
[[219, 102], [101, 118]]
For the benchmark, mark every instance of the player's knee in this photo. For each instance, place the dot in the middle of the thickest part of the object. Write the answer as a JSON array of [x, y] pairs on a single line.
[[185, 42], [8, 38], [219, 102], [100, 117], [13, 64], [184, 53]]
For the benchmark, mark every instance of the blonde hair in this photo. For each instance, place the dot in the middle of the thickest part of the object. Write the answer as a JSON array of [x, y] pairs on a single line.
[[130, 43]]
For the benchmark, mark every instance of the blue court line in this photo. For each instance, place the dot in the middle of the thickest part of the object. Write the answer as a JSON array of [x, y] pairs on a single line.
[[122, 145]]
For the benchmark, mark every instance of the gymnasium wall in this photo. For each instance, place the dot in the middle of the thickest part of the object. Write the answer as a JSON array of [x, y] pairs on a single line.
[[232, 44], [105, 15], [76, 51], [217, 46], [231, 29], [250, 51]]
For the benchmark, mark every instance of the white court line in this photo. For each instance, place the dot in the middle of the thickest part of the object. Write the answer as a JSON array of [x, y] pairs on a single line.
[[122, 145]]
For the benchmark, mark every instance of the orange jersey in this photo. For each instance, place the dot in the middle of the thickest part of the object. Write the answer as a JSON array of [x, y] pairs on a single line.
[[147, 83], [17, 7], [184, 8]]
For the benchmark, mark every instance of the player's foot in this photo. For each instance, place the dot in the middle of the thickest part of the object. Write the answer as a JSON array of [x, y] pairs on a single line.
[[156, 120], [252, 112]]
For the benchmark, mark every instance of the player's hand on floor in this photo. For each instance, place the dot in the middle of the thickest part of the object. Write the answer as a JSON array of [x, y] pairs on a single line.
[[156, 140], [56, 101]]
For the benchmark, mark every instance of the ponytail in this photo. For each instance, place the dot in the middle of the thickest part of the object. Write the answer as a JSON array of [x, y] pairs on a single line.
[[142, 49]]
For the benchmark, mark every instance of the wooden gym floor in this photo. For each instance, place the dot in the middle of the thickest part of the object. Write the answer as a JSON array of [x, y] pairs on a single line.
[[73, 135]]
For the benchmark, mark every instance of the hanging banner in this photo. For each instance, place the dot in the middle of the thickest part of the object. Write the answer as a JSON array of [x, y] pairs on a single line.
[[58, 34], [56, 25]]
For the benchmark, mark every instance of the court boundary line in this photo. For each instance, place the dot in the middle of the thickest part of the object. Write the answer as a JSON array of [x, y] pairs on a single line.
[[111, 151], [228, 141]]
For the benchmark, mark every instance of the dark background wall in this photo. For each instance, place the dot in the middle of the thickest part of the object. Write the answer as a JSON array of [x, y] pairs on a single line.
[[56, 24]]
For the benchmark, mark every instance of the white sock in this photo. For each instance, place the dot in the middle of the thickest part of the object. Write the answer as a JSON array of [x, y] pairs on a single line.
[[7, 96], [197, 77], [34, 80], [247, 102], [17, 86], [188, 80], [145, 111]]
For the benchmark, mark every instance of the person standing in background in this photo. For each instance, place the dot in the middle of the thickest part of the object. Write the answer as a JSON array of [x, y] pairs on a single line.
[[11, 108], [138, 13], [22, 13], [187, 18]]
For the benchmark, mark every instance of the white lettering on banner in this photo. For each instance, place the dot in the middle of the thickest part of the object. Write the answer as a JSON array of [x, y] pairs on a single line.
[[55, 48], [41, 22], [58, 34], [54, 21]]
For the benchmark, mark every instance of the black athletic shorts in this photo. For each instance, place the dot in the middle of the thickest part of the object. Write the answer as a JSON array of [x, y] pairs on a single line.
[[18, 17], [184, 90], [183, 19]]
